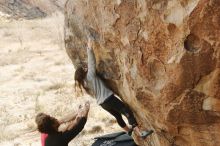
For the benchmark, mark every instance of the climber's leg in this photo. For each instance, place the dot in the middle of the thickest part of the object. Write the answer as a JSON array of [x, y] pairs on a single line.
[[117, 115], [119, 106]]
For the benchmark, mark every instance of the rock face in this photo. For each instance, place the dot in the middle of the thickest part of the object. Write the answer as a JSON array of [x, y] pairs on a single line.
[[161, 57], [30, 9]]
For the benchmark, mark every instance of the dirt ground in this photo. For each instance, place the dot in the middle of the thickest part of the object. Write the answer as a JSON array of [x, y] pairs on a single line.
[[36, 75]]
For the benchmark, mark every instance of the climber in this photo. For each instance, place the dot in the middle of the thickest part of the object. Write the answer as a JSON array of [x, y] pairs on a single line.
[[94, 86], [48, 127]]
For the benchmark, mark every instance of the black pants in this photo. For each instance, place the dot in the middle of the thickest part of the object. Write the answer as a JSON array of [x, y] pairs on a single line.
[[116, 107]]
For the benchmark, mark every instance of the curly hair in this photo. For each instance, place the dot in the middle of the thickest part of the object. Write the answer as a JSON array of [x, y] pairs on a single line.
[[45, 123]]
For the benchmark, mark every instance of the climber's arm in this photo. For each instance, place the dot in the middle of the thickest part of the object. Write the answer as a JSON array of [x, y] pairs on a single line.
[[69, 117], [91, 59], [78, 124]]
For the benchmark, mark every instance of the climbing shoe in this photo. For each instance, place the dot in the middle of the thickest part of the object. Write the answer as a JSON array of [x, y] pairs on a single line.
[[144, 134]]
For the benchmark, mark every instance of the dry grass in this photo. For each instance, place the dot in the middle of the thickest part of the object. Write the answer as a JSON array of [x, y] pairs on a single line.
[[36, 75]]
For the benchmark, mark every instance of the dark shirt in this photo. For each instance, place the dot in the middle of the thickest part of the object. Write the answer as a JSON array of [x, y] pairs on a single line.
[[63, 138]]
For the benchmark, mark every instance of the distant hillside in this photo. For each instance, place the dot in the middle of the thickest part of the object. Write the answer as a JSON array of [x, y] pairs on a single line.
[[30, 9]]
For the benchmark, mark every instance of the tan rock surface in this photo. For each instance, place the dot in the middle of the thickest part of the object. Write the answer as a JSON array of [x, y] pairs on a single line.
[[161, 57]]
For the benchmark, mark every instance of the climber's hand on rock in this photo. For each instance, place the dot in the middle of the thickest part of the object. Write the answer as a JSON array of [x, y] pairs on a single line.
[[89, 43]]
